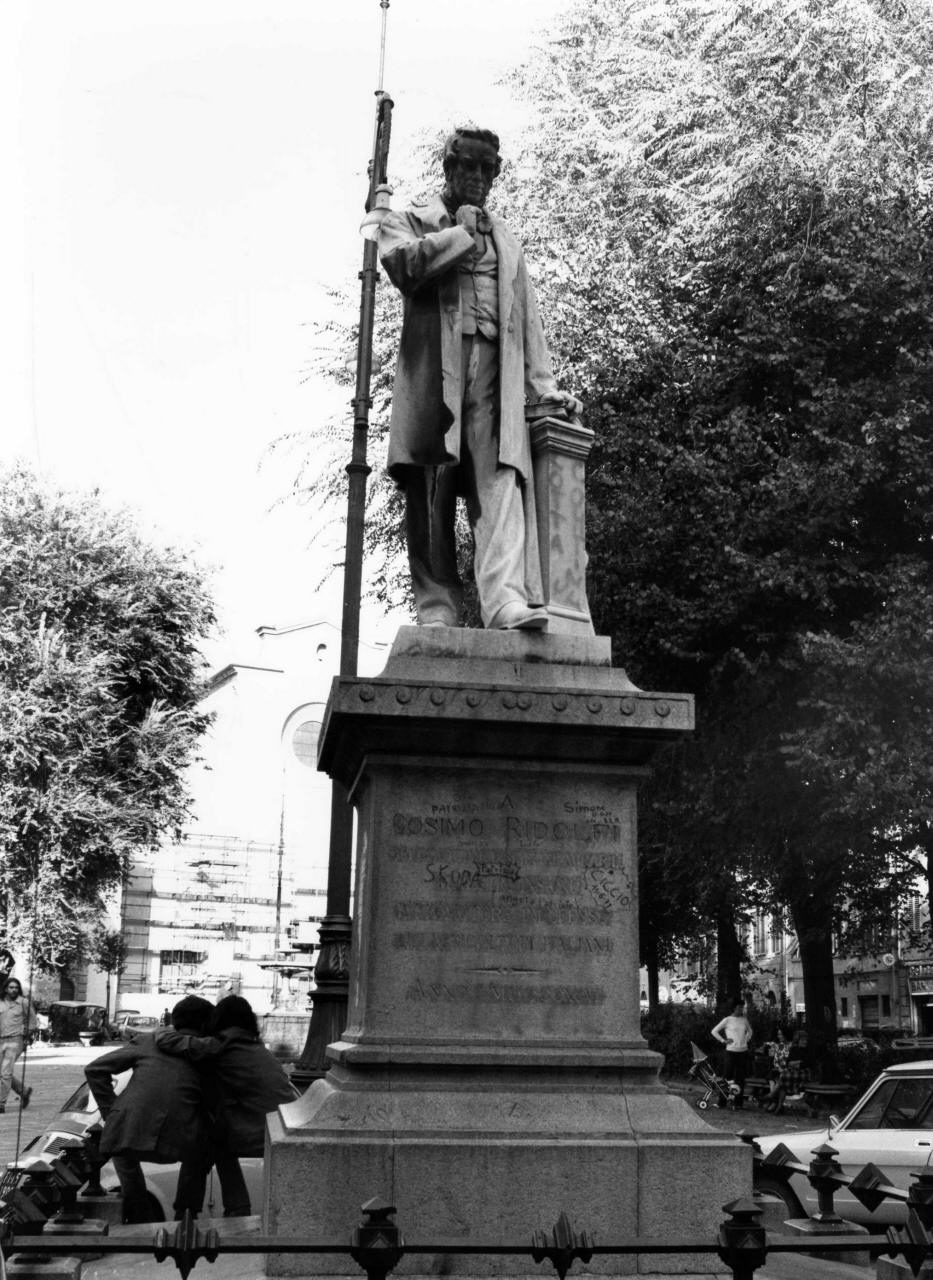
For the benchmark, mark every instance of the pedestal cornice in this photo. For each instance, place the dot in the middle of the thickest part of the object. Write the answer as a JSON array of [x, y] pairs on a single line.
[[489, 695]]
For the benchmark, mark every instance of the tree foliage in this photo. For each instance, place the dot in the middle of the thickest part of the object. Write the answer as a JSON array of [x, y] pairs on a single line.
[[734, 198], [99, 682]]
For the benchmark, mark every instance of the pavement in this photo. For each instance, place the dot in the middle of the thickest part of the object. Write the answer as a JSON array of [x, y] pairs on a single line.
[[54, 1072]]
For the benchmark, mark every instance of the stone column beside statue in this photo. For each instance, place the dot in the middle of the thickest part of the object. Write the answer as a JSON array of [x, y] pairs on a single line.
[[493, 1074], [559, 449]]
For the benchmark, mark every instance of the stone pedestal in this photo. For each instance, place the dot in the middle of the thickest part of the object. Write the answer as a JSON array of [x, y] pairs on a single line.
[[492, 1073], [559, 449]]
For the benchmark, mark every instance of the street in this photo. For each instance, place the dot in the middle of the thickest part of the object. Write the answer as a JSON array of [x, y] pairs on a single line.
[[54, 1072]]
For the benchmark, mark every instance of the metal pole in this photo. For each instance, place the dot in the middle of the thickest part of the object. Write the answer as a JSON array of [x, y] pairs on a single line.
[[332, 970]]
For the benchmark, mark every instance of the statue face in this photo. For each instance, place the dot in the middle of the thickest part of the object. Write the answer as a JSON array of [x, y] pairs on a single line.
[[472, 174]]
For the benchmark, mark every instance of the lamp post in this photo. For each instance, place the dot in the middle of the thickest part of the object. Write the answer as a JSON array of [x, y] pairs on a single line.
[[332, 971]]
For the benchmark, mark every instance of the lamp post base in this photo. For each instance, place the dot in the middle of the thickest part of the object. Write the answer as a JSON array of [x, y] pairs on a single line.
[[329, 1000]]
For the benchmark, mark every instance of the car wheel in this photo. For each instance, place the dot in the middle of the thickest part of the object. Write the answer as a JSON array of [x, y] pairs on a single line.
[[772, 1189]]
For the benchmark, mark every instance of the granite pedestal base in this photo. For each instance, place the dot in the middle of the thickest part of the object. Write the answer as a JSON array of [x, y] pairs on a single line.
[[493, 1074]]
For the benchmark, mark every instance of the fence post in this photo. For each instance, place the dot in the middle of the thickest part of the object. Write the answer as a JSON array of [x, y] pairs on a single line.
[[742, 1240], [824, 1171], [185, 1244], [920, 1195], [376, 1244]]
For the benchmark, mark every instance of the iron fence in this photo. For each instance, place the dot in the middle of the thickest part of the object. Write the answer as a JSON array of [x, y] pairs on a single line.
[[39, 1203]]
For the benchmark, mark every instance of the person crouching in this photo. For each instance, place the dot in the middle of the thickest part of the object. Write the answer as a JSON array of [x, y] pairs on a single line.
[[160, 1116]]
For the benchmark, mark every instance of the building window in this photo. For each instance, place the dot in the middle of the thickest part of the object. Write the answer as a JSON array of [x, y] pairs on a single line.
[[761, 935], [777, 936], [178, 968], [843, 1006], [885, 1006], [304, 742], [915, 909]]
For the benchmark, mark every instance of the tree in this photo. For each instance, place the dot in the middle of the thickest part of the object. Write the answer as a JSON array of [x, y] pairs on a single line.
[[109, 951], [99, 685], [735, 207]]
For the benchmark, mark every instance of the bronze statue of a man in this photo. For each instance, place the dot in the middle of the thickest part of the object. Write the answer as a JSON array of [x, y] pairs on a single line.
[[472, 356]]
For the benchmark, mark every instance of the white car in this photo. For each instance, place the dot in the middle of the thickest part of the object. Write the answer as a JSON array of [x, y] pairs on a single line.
[[890, 1126], [80, 1112]]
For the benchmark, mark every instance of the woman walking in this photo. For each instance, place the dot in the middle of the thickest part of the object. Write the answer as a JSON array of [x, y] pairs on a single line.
[[17, 1021]]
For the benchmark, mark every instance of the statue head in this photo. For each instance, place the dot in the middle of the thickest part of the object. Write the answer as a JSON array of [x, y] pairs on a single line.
[[471, 165]]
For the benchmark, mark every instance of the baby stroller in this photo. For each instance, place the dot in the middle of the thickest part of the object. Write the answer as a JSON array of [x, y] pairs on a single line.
[[727, 1091]]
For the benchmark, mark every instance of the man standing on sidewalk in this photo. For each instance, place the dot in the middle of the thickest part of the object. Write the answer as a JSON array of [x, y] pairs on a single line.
[[735, 1033], [17, 1021]]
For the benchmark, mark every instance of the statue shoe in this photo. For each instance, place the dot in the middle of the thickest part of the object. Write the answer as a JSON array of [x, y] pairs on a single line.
[[518, 616]]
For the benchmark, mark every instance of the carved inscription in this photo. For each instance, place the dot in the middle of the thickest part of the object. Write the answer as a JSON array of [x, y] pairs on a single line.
[[516, 901]]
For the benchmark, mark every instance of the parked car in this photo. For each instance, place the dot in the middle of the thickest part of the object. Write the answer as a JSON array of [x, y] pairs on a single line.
[[72, 1020], [79, 1112], [891, 1126]]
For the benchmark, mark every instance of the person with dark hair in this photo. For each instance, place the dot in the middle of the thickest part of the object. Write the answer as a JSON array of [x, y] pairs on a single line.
[[792, 1075], [243, 1082], [17, 1024], [160, 1116], [472, 358]]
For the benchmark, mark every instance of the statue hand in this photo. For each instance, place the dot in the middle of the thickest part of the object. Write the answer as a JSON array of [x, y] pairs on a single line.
[[468, 216], [572, 406]]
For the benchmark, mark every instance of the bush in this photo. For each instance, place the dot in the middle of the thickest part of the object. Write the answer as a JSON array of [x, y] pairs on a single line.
[[670, 1031], [674, 1026]]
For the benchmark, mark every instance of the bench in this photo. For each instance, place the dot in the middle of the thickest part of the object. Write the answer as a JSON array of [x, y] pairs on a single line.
[[757, 1088], [821, 1097]]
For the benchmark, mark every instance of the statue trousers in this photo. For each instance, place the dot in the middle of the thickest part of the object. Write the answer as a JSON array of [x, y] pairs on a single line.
[[495, 507]]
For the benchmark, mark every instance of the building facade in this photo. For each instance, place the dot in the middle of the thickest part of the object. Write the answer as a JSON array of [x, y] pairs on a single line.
[[232, 906], [886, 986]]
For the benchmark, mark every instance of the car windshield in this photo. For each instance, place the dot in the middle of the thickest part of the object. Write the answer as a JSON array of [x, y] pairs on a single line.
[[897, 1104], [79, 1100]]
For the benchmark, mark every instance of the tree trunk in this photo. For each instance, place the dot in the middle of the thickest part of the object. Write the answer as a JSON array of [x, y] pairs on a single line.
[[813, 926], [926, 844], [729, 956]]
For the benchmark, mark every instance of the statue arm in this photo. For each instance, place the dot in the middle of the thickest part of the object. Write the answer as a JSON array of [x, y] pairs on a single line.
[[412, 261]]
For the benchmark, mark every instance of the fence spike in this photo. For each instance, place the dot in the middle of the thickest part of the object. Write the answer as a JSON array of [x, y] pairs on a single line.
[[562, 1245], [185, 1244]]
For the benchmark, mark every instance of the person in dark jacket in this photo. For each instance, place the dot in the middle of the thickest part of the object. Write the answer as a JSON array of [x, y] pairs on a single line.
[[243, 1083], [160, 1116]]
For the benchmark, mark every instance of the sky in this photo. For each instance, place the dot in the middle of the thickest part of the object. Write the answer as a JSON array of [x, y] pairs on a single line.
[[184, 184]]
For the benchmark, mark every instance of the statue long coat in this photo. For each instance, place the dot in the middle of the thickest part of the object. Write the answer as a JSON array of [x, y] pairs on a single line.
[[420, 250]]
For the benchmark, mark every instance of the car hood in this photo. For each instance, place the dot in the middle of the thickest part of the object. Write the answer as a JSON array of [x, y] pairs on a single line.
[[802, 1144]]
